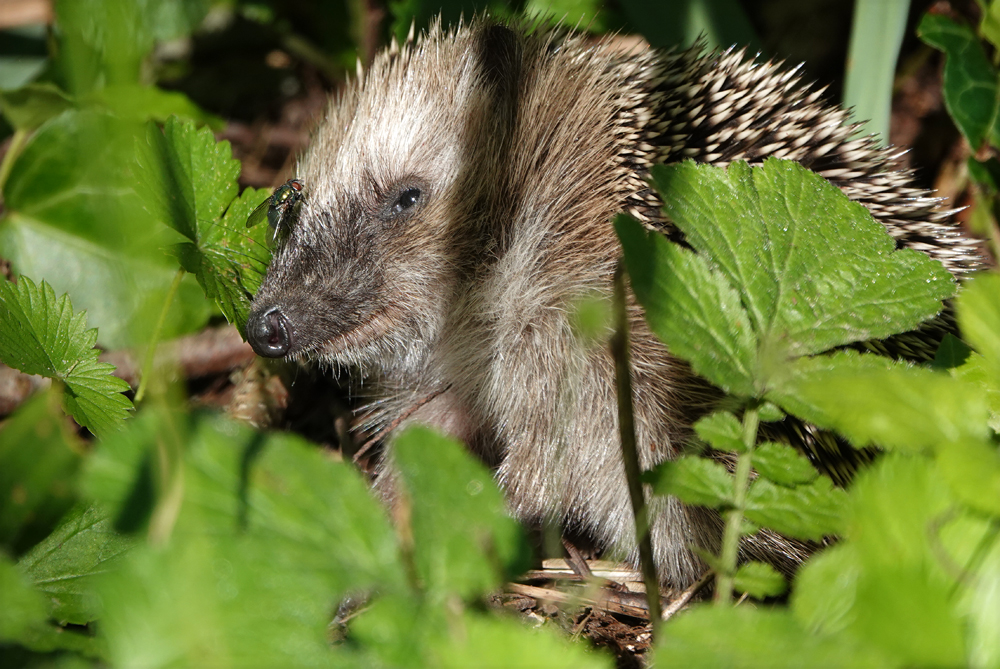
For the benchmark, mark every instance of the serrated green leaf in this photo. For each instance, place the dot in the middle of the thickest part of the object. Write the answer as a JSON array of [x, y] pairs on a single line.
[[810, 511], [694, 480], [39, 458], [188, 179], [722, 430], [73, 220], [29, 107], [872, 400], [971, 94], [757, 638], [782, 464], [189, 184], [694, 310], [778, 234], [760, 580], [40, 334], [64, 565], [464, 540]]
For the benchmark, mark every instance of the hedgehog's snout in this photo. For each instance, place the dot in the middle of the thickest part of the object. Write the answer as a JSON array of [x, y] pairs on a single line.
[[269, 333]]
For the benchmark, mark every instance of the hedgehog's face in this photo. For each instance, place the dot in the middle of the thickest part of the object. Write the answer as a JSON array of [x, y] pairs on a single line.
[[369, 267]]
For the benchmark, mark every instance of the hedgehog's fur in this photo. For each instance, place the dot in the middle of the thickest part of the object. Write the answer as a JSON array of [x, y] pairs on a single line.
[[522, 147]]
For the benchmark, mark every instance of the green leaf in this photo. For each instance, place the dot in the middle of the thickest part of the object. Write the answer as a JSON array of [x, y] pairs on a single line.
[[720, 23], [971, 94], [141, 103], [40, 334], [770, 413], [972, 468], [269, 534], [189, 182], [188, 179], [722, 430], [39, 458], [316, 515], [910, 616], [872, 400], [984, 613], [760, 580], [711, 636], [826, 588], [73, 220], [810, 511], [978, 313], [694, 480], [694, 310], [214, 601], [975, 371], [904, 601], [511, 643], [779, 234], [29, 107], [782, 464], [23, 607], [463, 539], [951, 353], [990, 25], [65, 564]]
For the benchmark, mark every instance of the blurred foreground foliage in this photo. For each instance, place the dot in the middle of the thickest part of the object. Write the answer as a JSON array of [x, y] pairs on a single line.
[[162, 536]]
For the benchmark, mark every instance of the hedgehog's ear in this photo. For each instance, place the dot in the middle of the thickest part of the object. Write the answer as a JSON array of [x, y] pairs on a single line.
[[500, 62]]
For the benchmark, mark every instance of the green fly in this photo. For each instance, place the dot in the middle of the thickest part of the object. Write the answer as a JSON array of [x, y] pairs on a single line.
[[278, 208]]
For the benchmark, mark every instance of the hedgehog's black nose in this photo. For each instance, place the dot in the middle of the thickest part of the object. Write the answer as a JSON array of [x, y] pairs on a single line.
[[269, 333]]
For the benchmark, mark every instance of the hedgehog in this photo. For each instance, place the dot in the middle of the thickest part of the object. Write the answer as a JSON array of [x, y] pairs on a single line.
[[456, 203]]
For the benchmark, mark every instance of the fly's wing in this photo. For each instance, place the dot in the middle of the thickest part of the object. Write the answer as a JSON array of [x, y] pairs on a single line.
[[260, 213]]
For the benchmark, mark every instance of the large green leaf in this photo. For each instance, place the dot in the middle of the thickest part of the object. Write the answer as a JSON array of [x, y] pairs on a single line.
[[40, 334], [464, 541], [74, 220], [786, 266], [813, 269]]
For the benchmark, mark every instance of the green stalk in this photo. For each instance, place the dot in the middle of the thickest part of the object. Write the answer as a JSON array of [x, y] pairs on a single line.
[[734, 517], [147, 364], [13, 151], [630, 454]]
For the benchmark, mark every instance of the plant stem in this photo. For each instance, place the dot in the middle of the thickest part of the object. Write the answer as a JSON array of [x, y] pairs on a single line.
[[147, 363], [630, 455], [734, 517], [13, 151]]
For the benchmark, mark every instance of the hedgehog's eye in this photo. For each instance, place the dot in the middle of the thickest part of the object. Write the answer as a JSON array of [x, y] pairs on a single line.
[[406, 200]]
